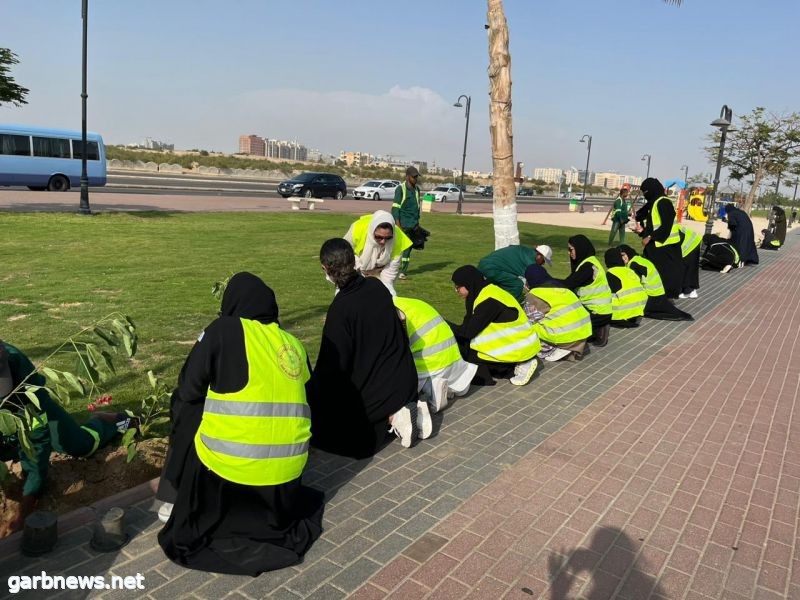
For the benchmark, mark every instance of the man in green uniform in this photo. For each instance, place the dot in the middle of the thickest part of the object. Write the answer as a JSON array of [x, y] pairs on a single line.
[[619, 215], [506, 267], [405, 211]]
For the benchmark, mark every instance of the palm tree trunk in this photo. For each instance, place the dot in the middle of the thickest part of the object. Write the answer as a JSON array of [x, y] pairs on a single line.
[[751, 195], [505, 206]]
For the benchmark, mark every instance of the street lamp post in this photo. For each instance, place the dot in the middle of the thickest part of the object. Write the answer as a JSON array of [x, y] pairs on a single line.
[[723, 123], [647, 157], [463, 156], [586, 172], [685, 169], [84, 203]]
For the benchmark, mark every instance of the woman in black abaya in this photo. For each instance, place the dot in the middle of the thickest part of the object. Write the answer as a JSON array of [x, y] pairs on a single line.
[[657, 218], [658, 306], [742, 235], [217, 525]]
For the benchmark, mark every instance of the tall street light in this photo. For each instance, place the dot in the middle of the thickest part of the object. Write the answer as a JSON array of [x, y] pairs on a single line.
[[84, 204], [647, 157], [586, 172], [723, 123], [463, 156], [685, 169]]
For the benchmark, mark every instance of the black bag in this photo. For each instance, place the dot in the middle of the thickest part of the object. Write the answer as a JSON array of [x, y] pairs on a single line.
[[418, 237]]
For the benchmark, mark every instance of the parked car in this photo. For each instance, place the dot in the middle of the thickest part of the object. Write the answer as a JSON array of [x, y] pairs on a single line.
[[488, 191], [479, 189], [525, 192], [377, 189], [441, 192], [314, 185]]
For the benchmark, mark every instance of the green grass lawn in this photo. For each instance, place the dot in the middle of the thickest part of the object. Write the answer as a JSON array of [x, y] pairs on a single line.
[[62, 272]]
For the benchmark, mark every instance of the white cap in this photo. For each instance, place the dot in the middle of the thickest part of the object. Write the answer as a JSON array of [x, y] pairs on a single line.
[[545, 251]]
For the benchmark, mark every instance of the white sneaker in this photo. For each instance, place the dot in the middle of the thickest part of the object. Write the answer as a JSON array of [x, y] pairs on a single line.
[[424, 422], [682, 296], [440, 395], [165, 511], [404, 424], [523, 372], [693, 294], [726, 268], [557, 354]]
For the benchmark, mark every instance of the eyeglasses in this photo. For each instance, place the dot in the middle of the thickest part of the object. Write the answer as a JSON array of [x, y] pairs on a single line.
[[385, 238]]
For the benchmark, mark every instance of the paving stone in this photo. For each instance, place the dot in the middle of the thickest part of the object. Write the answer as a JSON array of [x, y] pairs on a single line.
[[357, 573], [312, 577]]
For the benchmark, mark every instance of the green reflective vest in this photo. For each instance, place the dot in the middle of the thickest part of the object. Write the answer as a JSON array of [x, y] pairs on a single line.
[[361, 231], [433, 345], [259, 435], [596, 296], [629, 301], [690, 240], [567, 321], [515, 341], [674, 234], [652, 284]]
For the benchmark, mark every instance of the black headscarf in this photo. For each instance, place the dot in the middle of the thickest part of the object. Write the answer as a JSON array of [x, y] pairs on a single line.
[[472, 279], [248, 297], [583, 250], [536, 276], [652, 189], [613, 258], [627, 250]]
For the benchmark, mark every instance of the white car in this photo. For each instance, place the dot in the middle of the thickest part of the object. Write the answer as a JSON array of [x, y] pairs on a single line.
[[377, 189], [442, 192], [480, 189]]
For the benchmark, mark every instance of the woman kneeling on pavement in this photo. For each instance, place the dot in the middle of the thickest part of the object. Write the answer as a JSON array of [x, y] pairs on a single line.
[[588, 281], [560, 320], [658, 305], [365, 382], [719, 254], [628, 298], [441, 372], [495, 333], [239, 443]]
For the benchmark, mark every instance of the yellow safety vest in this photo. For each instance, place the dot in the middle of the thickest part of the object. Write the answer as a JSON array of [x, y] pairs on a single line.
[[515, 341], [567, 321], [361, 230], [259, 435], [405, 194], [432, 342], [629, 301], [596, 296], [674, 234], [690, 240], [652, 284]]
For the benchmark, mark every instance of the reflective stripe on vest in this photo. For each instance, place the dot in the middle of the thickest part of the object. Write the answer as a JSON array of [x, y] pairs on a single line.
[[651, 282], [690, 240], [259, 435], [596, 296], [674, 234], [433, 345], [405, 194], [629, 301], [400, 243], [567, 321], [511, 342]]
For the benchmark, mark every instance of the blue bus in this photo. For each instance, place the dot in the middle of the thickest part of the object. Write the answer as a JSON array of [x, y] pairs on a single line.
[[49, 159]]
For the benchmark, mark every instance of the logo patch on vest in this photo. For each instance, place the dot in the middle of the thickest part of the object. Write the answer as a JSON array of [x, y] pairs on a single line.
[[290, 362]]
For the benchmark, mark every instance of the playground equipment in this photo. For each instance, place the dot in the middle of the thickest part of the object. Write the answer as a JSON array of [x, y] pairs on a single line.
[[694, 210]]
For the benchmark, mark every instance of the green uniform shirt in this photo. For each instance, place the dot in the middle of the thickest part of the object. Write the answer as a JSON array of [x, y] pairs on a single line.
[[506, 268], [406, 213]]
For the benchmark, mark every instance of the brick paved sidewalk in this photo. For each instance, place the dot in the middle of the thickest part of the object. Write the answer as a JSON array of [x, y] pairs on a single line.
[[658, 464]]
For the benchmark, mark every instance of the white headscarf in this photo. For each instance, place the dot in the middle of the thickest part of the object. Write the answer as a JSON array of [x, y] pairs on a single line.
[[374, 256]]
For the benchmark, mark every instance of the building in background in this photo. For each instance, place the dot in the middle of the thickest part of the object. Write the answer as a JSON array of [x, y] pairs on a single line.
[[548, 174], [355, 159], [151, 144], [252, 145]]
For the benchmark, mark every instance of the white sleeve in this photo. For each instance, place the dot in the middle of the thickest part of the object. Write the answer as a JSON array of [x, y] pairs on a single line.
[[389, 274]]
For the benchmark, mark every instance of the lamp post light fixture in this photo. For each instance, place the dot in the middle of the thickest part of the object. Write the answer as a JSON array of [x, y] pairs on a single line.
[[463, 156], [586, 172], [685, 169], [84, 203], [647, 157], [723, 123]]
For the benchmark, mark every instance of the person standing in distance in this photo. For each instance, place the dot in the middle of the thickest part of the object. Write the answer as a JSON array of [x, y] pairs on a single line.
[[405, 210]]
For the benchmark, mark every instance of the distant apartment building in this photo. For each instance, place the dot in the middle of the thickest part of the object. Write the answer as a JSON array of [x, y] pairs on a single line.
[[632, 179], [607, 180], [252, 145], [548, 174], [355, 159], [152, 144]]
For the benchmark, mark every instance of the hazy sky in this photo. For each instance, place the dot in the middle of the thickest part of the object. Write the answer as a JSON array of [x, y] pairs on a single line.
[[381, 77]]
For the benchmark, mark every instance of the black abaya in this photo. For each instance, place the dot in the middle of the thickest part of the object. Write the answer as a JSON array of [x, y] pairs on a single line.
[[742, 236], [667, 259], [779, 221], [691, 271]]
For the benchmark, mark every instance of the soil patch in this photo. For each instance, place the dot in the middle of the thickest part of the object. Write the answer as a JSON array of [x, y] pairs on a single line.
[[76, 482]]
